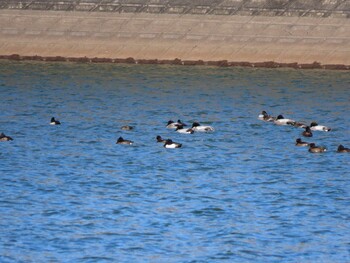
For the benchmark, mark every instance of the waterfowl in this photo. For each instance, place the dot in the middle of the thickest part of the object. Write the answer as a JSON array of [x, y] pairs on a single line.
[[280, 120], [173, 125], [307, 132], [299, 142], [127, 128], [183, 130], [342, 149], [4, 138], [199, 128], [54, 121], [299, 125], [315, 127], [160, 139], [316, 149], [170, 144], [122, 141], [265, 117]]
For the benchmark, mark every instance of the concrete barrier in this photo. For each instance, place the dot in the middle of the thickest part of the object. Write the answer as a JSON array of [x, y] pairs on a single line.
[[257, 31]]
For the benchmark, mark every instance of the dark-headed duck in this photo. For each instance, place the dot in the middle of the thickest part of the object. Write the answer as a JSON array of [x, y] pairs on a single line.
[[316, 149], [122, 141], [160, 139], [299, 142], [170, 144], [307, 132], [342, 149], [4, 138], [54, 121]]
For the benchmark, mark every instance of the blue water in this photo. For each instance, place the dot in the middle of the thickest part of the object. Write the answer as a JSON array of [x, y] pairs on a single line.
[[244, 193]]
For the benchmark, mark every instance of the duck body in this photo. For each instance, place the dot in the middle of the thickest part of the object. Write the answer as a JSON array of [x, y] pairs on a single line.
[[299, 142], [5, 138], [280, 120], [181, 129], [171, 145], [54, 121], [315, 127], [307, 132], [316, 149], [342, 149], [299, 125], [127, 128], [202, 128], [125, 142]]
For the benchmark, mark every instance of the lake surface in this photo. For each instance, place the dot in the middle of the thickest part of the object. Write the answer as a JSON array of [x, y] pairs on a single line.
[[244, 193]]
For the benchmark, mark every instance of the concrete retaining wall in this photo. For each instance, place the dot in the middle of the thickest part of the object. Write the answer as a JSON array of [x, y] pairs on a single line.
[[186, 36]]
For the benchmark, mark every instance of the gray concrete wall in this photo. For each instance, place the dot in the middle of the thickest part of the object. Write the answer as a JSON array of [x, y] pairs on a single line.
[[323, 37]]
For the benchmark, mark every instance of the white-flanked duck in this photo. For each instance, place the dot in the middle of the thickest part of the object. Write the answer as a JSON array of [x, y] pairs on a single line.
[[307, 132], [299, 142], [5, 138], [315, 127], [122, 141], [265, 117], [171, 145], [54, 121], [173, 125], [316, 149], [280, 120], [202, 128], [342, 149], [183, 130]]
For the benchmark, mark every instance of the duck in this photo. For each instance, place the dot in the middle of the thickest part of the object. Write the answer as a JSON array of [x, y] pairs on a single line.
[[299, 142], [160, 139], [170, 144], [316, 149], [127, 128], [183, 130], [4, 138], [54, 121], [307, 132], [265, 117], [299, 125], [280, 120], [173, 125], [122, 141], [342, 149], [315, 127], [199, 128]]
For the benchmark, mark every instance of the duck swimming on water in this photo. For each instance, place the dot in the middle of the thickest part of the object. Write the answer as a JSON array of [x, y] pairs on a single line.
[[54, 121], [4, 138]]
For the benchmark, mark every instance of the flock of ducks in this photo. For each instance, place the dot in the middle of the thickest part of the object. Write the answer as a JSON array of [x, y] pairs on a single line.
[[178, 126], [308, 129], [181, 127]]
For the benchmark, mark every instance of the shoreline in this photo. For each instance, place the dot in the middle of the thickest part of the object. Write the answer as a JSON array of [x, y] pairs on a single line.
[[176, 61]]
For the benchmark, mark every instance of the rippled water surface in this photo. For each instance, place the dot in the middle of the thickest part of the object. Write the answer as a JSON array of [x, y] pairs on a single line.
[[244, 193]]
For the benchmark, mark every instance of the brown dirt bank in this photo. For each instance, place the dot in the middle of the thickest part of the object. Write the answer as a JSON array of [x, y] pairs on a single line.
[[221, 63]]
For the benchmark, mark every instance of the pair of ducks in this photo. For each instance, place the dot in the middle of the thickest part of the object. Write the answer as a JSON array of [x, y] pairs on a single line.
[[168, 143], [196, 127], [4, 137], [280, 120], [319, 149]]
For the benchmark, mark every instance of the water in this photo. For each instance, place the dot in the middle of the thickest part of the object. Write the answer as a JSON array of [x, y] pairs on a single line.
[[244, 193]]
